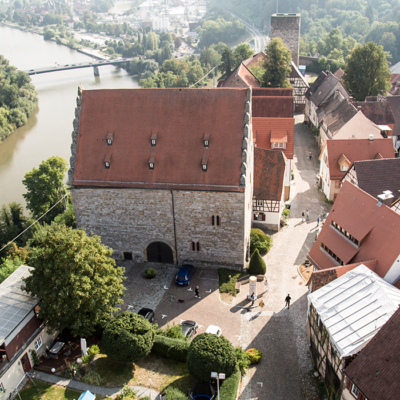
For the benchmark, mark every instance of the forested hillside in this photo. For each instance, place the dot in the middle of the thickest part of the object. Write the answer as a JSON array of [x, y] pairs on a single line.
[[359, 20]]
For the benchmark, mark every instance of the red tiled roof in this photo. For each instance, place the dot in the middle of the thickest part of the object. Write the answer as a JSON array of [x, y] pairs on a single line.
[[355, 150], [180, 118], [255, 60], [376, 369], [360, 215], [322, 277], [379, 112], [240, 77], [272, 107], [269, 171], [272, 92], [339, 73], [279, 137], [262, 128]]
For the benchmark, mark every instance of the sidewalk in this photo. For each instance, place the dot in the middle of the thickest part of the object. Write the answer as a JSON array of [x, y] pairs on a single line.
[[101, 391]]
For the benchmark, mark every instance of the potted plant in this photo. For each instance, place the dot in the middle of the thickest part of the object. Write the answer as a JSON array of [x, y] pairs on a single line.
[[35, 357]]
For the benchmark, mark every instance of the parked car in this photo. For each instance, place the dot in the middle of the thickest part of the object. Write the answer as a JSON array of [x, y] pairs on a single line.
[[184, 274], [215, 330], [189, 328], [147, 313]]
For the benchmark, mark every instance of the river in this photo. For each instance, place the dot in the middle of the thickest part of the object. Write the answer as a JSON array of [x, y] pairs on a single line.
[[48, 130]]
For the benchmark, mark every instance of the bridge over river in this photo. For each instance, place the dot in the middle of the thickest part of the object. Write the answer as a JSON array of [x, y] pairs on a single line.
[[94, 64]]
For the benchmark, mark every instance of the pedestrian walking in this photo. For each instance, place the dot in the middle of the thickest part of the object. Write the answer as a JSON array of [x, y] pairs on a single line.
[[302, 216], [287, 300], [318, 221], [261, 304], [310, 156], [308, 215], [265, 286], [253, 299], [196, 292]]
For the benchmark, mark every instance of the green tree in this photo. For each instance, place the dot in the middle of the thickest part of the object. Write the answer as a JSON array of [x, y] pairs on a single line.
[[45, 186], [242, 52], [177, 42], [75, 277], [277, 64], [210, 353], [260, 241], [210, 57], [257, 264], [227, 61], [367, 72], [128, 337]]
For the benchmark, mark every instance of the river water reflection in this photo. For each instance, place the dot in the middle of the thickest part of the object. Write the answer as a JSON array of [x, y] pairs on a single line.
[[48, 131]]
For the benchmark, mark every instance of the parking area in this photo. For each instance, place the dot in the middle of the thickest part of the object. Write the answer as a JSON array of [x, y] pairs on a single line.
[[173, 303]]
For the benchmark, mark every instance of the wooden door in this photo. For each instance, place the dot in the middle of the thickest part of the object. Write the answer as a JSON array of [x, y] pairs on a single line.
[[159, 252], [26, 364]]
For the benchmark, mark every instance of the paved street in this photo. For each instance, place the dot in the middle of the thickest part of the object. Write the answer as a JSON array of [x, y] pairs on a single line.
[[280, 333]]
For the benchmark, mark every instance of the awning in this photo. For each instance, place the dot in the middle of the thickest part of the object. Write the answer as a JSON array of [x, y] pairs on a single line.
[[384, 128]]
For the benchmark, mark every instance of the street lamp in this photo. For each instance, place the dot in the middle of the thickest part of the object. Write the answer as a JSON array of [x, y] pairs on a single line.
[[217, 376]]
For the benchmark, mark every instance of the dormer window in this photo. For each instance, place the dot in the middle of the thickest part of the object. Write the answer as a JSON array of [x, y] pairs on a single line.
[[206, 140], [153, 139], [107, 164], [279, 139], [109, 139], [344, 167]]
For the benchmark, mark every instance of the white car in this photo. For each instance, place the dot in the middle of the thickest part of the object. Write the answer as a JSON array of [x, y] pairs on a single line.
[[215, 330]]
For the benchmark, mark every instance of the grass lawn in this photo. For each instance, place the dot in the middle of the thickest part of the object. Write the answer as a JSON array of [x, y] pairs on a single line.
[[227, 285], [46, 391], [162, 372]]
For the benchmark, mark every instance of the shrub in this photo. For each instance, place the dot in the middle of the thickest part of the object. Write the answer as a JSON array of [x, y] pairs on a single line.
[[172, 393], [172, 331], [229, 386], [34, 356], [92, 378], [254, 355], [210, 353], [128, 337], [226, 284], [177, 349], [260, 241], [243, 359], [127, 393], [285, 212], [93, 350], [257, 264], [150, 273]]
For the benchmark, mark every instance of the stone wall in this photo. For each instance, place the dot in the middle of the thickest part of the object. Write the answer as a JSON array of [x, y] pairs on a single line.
[[287, 27], [128, 220]]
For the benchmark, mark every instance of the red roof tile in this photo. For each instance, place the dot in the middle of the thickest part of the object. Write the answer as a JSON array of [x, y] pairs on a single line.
[[355, 150], [358, 212], [181, 118], [278, 137], [269, 170], [262, 128], [255, 60], [272, 107], [241, 77], [272, 92], [376, 369]]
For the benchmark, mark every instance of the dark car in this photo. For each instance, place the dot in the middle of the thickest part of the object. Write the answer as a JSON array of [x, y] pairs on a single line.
[[189, 328], [184, 274], [147, 313]]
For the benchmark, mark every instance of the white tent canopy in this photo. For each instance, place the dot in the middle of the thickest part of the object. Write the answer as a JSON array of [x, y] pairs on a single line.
[[354, 307]]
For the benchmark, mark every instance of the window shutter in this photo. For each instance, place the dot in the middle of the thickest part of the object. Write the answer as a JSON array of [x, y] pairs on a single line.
[[263, 217]]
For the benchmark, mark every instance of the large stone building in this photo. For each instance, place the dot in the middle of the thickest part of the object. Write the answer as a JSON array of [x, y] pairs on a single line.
[[287, 27], [165, 174]]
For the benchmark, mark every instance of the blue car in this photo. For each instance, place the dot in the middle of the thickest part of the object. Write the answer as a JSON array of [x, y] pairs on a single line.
[[184, 274]]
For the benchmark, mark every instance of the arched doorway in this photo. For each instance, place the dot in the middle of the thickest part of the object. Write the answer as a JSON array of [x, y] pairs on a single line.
[[159, 252]]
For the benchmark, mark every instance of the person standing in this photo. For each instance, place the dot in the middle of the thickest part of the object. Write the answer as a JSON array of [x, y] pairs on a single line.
[[287, 300], [318, 221], [253, 299], [308, 215], [196, 292], [265, 286], [302, 216], [310, 156]]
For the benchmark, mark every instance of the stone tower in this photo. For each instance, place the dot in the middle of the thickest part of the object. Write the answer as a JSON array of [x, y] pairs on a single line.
[[287, 27]]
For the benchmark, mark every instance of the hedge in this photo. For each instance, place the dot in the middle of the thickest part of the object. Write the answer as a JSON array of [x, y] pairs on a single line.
[[257, 264], [172, 393], [229, 387], [177, 349]]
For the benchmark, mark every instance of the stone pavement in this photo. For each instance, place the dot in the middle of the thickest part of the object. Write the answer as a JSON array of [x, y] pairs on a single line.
[[278, 332], [57, 380]]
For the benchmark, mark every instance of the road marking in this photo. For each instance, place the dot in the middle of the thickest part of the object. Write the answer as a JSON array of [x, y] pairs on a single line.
[[163, 316], [165, 287], [260, 383], [190, 290]]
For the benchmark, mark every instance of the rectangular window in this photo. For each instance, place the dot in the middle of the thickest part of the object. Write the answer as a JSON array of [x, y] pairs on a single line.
[[38, 343], [354, 390], [260, 203], [195, 245]]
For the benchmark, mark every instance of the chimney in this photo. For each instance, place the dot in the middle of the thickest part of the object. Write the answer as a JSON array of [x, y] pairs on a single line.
[[386, 197], [371, 137], [358, 108], [353, 135]]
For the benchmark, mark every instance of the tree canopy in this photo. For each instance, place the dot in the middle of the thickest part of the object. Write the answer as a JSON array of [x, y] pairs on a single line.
[[367, 72], [45, 186], [210, 353], [75, 277], [17, 98], [277, 64], [257, 265], [128, 337]]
